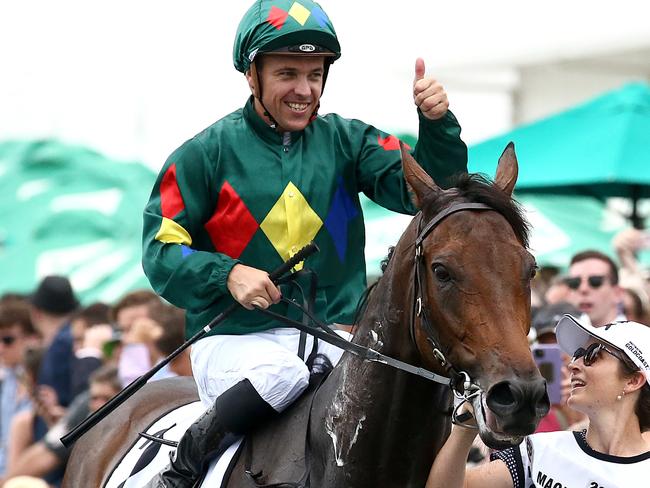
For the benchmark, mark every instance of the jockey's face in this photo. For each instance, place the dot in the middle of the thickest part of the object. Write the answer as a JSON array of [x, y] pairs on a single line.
[[291, 88]]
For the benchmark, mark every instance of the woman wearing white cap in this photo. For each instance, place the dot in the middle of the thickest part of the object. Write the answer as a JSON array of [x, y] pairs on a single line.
[[610, 383]]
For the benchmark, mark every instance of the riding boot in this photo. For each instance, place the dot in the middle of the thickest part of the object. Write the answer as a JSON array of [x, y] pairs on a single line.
[[320, 367], [236, 412]]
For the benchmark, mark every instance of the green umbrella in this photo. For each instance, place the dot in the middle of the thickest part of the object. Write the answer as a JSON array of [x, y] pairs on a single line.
[[600, 148], [68, 210], [561, 226]]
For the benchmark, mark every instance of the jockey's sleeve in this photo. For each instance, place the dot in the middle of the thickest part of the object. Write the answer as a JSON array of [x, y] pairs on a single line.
[[181, 201], [439, 150]]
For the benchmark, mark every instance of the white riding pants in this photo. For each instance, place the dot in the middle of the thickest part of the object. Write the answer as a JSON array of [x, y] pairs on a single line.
[[268, 359]]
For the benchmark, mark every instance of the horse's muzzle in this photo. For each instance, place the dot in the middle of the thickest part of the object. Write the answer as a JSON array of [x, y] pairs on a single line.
[[516, 406]]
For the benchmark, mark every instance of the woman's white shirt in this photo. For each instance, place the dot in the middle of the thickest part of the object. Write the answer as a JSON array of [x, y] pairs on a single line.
[[565, 460]]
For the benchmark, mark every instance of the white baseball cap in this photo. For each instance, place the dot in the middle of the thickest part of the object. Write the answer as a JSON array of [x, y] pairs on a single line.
[[631, 338]]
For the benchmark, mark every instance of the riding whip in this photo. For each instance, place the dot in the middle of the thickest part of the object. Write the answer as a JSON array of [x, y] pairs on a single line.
[[92, 420]]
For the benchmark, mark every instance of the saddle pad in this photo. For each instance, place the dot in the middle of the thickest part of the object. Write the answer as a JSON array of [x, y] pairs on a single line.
[[146, 458]]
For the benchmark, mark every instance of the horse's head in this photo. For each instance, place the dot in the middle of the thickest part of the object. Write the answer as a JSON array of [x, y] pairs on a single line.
[[474, 274]]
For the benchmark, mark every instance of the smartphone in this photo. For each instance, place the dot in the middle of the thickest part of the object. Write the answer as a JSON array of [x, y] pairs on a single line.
[[549, 361]]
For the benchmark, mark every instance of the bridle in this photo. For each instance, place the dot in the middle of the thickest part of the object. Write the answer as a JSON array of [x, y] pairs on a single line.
[[460, 382]]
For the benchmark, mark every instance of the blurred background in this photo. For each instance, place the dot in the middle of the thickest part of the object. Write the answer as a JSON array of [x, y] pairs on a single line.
[[95, 95]]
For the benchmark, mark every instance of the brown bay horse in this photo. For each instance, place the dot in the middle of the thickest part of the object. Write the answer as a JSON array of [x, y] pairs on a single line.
[[454, 298]]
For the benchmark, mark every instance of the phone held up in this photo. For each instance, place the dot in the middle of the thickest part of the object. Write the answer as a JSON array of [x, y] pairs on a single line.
[[548, 358]]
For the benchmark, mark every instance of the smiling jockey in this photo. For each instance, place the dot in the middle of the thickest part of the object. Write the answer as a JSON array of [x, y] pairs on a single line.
[[253, 188]]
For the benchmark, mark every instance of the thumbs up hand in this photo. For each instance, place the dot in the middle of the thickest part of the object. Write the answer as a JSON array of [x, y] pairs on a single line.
[[429, 95]]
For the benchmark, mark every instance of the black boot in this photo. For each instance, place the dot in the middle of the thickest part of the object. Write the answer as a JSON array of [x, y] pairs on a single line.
[[236, 412], [320, 367]]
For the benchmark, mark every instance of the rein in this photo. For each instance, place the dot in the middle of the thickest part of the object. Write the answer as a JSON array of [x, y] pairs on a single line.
[[459, 382], [325, 333]]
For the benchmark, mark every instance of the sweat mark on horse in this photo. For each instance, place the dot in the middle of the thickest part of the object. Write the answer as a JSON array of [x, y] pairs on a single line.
[[374, 426]]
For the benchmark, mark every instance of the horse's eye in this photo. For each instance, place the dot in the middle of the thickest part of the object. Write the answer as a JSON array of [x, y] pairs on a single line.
[[533, 272], [441, 273]]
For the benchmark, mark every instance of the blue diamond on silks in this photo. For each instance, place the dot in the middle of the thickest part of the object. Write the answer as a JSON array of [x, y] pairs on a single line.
[[342, 211], [320, 16], [186, 251]]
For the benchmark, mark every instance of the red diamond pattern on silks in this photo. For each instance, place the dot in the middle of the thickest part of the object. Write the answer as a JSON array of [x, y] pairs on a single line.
[[232, 226], [277, 17], [171, 201], [390, 143]]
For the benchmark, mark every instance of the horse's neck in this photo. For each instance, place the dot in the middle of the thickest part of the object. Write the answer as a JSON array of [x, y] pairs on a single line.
[[374, 411]]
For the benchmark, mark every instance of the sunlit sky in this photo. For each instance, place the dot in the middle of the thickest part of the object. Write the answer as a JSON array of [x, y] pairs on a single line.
[[134, 79]]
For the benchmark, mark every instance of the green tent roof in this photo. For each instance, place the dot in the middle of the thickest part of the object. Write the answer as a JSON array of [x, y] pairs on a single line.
[[68, 210], [600, 148]]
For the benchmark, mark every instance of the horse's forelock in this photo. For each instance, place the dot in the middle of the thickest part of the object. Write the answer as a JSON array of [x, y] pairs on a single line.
[[476, 188]]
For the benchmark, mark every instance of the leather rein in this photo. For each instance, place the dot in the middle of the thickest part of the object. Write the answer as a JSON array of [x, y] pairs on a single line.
[[458, 381]]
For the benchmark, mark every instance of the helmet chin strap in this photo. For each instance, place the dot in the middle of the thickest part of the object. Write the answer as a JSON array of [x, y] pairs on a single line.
[[257, 91]]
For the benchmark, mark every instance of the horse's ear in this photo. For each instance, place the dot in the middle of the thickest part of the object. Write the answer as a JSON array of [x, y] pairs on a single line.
[[417, 180], [507, 170]]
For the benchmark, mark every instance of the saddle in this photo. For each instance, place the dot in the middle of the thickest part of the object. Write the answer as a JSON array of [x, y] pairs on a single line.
[[278, 454]]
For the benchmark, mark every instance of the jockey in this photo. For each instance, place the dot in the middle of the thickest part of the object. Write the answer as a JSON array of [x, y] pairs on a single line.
[[248, 192]]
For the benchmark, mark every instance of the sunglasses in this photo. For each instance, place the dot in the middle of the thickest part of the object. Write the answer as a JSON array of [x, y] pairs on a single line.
[[591, 353], [595, 281], [7, 340]]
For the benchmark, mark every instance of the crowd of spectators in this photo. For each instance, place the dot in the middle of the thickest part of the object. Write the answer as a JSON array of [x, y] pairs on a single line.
[[60, 361]]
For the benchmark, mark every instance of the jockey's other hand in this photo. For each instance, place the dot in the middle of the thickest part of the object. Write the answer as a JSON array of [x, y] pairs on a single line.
[[252, 287], [429, 95]]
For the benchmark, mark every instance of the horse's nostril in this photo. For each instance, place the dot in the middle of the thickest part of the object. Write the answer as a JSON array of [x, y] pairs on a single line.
[[502, 399]]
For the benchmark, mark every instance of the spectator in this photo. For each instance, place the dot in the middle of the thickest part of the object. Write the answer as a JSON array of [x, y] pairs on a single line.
[[172, 337], [610, 375], [49, 455], [16, 333], [53, 304], [21, 431], [560, 416], [593, 280], [628, 243], [547, 318], [90, 331], [138, 352], [633, 307], [97, 313], [557, 291], [132, 306]]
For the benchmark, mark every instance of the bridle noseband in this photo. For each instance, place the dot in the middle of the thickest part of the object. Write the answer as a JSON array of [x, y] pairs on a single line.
[[460, 382]]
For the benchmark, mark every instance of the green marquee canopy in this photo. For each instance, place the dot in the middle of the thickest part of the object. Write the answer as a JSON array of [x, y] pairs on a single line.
[[599, 148], [68, 210]]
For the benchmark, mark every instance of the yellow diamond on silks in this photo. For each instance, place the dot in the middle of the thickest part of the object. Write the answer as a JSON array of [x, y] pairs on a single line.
[[300, 13], [291, 224]]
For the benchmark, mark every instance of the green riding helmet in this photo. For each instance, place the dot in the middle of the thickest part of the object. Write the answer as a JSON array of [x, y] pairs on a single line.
[[284, 26]]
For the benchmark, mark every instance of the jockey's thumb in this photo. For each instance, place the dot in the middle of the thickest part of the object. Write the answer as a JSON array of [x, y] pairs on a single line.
[[419, 70]]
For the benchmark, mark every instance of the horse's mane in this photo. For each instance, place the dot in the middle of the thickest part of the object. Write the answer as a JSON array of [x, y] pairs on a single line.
[[476, 188]]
